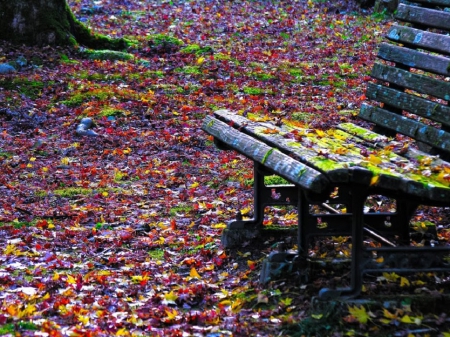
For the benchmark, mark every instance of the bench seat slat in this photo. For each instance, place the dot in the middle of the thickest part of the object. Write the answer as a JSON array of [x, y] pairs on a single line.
[[419, 39], [419, 15], [285, 166], [415, 59], [352, 166], [419, 106], [409, 127], [417, 82]]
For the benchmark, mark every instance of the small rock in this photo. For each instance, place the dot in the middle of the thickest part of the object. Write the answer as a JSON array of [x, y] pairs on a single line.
[[84, 126], [6, 68]]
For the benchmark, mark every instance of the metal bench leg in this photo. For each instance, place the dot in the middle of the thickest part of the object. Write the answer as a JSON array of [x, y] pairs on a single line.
[[358, 196], [239, 230]]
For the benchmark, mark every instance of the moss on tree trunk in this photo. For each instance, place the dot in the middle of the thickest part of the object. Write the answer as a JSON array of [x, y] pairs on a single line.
[[48, 22]]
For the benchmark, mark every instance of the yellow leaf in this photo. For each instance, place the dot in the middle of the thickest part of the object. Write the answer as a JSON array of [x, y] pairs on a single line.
[[374, 180], [194, 185], [404, 282], [359, 313], [219, 226], [389, 314], [194, 273], [10, 249], [287, 301], [65, 161], [171, 296], [375, 160], [406, 319], [392, 277], [200, 60], [28, 311], [320, 133], [171, 314], [71, 279], [236, 306], [446, 334], [122, 332], [317, 316], [245, 210], [83, 319]]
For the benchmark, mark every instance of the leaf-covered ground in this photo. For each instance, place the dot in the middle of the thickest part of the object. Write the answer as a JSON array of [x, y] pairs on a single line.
[[119, 234]]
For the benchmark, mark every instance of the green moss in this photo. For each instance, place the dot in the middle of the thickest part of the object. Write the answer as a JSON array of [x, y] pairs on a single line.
[[160, 39], [7, 329], [256, 91], [156, 254], [190, 70], [296, 72], [30, 88], [111, 55], [180, 209], [20, 224], [197, 50], [262, 76], [302, 116], [275, 180], [70, 192], [111, 111]]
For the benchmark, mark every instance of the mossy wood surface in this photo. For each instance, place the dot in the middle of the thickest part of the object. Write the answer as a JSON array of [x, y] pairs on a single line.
[[270, 157], [348, 154], [423, 16], [419, 39]]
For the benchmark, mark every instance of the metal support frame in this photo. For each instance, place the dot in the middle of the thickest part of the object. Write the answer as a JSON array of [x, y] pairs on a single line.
[[398, 256]]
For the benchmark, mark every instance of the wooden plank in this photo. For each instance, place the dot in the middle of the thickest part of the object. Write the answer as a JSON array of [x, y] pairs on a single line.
[[418, 38], [415, 59], [414, 129], [387, 175], [417, 82], [433, 2], [414, 104], [424, 16], [290, 169], [343, 158]]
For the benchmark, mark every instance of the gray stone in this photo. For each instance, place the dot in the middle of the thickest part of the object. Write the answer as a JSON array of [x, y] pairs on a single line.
[[5, 68]]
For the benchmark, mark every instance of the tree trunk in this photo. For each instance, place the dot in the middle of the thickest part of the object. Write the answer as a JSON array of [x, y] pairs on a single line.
[[48, 22]]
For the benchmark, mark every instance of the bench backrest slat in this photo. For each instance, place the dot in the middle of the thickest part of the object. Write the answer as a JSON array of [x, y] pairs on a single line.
[[417, 38], [412, 128], [422, 107], [415, 59], [413, 90], [417, 82], [433, 2], [423, 16]]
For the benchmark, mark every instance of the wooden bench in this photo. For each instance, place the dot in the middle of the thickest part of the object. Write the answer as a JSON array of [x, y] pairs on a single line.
[[347, 164]]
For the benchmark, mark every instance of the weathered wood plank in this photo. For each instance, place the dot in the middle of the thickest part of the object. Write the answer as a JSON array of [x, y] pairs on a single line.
[[414, 104], [433, 2], [420, 39], [344, 158], [417, 82], [415, 59], [423, 16], [414, 129], [384, 171], [285, 166]]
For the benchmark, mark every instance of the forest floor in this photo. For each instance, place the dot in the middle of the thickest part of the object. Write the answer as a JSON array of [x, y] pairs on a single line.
[[119, 234]]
